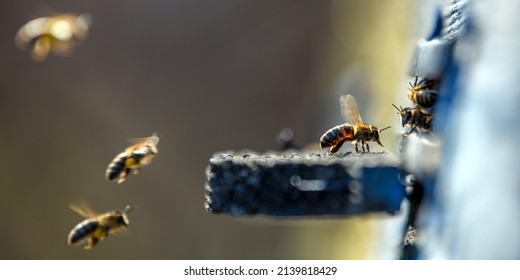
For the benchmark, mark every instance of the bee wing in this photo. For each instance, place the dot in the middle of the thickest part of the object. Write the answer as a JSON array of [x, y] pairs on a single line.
[[135, 142], [154, 140], [350, 109], [83, 210]]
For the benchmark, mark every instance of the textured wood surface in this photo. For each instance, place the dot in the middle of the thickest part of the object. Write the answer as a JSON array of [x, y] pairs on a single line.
[[303, 184]]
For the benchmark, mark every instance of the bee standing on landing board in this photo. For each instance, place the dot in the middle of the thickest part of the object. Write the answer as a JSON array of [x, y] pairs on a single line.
[[97, 227], [422, 94], [354, 130], [56, 34], [135, 156], [416, 118]]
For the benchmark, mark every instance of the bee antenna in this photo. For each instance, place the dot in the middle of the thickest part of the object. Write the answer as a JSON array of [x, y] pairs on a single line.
[[396, 108], [384, 129]]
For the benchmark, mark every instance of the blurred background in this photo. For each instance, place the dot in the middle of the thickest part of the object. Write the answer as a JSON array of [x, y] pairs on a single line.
[[206, 76]]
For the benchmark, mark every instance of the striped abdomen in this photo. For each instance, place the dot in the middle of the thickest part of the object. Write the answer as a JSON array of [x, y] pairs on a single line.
[[423, 98], [82, 230], [426, 122], [116, 167], [336, 134]]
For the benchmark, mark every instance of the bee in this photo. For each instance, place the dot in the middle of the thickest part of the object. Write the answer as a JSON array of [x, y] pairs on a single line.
[[354, 130], [417, 118], [135, 156], [422, 94], [58, 34], [97, 227]]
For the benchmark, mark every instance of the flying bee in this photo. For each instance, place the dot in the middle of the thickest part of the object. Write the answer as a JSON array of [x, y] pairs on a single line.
[[133, 158], [422, 94], [417, 118], [97, 227], [58, 34], [354, 130]]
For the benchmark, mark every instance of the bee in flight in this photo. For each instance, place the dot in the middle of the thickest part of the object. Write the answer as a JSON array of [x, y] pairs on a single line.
[[354, 130], [58, 34], [135, 156], [422, 94], [417, 118], [97, 227]]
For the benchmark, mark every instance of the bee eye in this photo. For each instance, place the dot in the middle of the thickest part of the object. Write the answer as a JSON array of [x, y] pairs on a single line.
[[407, 115], [121, 219]]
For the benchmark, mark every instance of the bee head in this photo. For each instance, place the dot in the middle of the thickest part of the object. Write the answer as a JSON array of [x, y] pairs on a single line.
[[406, 116], [403, 113], [376, 134], [153, 149], [122, 217]]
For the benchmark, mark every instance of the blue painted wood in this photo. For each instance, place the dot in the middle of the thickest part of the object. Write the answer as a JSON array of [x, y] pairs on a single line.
[[304, 184]]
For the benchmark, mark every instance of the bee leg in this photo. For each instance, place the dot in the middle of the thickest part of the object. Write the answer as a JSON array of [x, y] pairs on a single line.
[[368, 148], [91, 243], [363, 145], [335, 148], [103, 235], [123, 175], [136, 170], [356, 148], [411, 130]]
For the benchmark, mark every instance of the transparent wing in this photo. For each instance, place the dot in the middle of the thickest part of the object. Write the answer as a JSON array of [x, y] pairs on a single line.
[[154, 140], [350, 109], [83, 210], [136, 142]]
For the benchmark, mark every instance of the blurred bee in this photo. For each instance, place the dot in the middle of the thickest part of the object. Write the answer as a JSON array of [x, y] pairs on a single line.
[[354, 130], [417, 118], [135, 156], [58, 34], [422, 94], [97, 227]]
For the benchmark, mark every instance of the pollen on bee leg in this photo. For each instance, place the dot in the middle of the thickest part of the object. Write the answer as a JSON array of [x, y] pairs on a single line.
[[130, 162], [41, 49]]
